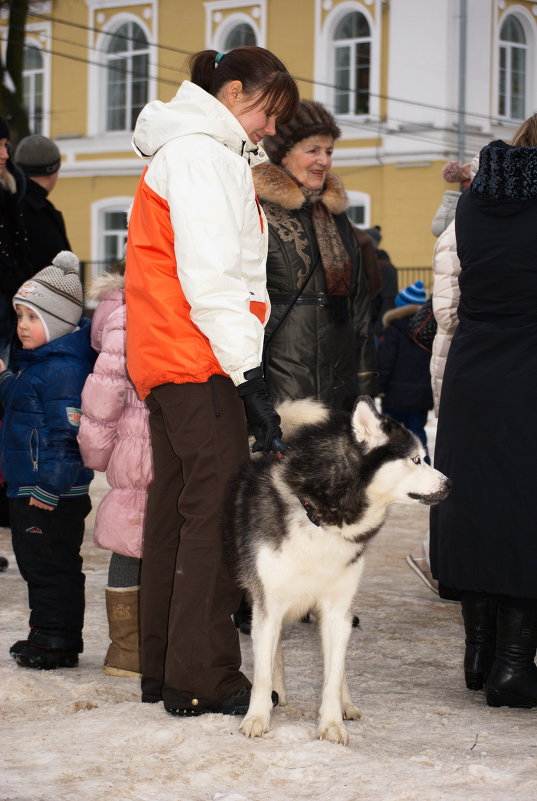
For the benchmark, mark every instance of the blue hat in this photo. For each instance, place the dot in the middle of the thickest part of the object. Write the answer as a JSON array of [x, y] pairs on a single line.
[[415, 293]]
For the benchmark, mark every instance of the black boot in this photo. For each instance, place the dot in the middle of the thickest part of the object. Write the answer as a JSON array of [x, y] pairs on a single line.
[[479, 613], [512, 680]]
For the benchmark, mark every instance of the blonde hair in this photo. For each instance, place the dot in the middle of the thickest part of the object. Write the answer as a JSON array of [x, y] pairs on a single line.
[[526, 136]]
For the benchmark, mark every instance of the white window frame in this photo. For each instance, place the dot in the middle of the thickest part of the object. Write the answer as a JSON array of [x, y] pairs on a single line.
[[364, 200], [324, 61], [99, 208], [30, 41], [97, 94], [529, 25], [216, 30]]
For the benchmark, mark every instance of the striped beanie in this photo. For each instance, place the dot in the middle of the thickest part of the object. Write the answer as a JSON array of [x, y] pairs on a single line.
[[55, 294], [415, 293]]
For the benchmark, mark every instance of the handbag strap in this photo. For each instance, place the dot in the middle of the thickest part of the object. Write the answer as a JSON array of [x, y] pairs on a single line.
[[296, 296]]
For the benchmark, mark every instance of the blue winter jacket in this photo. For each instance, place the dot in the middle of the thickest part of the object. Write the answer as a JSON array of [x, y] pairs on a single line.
[[39, 454]]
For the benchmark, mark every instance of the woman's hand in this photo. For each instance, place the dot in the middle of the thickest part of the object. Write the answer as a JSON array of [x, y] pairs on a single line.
[[40, 505]]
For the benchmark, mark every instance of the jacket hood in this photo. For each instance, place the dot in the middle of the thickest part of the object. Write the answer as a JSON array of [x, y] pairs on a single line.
[[109, 291], [191, 111], [76, 344], [274, 184], [399, 313]]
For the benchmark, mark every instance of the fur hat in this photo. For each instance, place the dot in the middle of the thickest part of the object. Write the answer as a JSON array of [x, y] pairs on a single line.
[[38, 155], [456, 173], [311, 118], [55, 294], [415, 293], [4, 129]]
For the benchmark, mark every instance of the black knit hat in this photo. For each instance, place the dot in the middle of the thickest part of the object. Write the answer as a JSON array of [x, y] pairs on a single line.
[[4, 130], [38, 155], [311, 119]]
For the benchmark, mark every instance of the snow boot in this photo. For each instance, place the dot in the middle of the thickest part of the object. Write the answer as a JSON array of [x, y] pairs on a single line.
[[123, 655], [512, 680], [46, 651], [479, 613]]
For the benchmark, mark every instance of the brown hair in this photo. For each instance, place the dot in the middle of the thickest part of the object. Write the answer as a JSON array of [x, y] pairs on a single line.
[[260, 72], [526, 136]]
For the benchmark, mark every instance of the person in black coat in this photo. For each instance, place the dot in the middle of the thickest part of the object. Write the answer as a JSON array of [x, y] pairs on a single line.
[[404, 367], [39, 159], [484, 536]]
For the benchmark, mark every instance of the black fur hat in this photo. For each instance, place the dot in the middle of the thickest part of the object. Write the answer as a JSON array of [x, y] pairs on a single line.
[[311, 118]]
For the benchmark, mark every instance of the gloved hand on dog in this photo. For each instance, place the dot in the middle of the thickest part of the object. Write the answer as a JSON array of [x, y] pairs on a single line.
[[262, 417]]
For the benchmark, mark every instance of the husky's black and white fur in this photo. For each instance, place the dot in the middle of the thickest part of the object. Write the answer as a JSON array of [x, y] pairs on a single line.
[[299, 527]]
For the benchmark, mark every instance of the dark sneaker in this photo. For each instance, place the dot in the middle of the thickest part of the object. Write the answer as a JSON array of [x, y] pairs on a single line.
[[45, 658], [18, 646]]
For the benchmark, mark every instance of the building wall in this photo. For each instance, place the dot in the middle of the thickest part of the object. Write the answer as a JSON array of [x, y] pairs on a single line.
[[392, 156]]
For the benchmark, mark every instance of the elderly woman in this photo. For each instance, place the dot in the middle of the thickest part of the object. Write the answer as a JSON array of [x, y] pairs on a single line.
[[318, 341]]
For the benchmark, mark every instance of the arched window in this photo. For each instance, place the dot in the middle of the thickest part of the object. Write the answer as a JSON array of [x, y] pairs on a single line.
[[352, 64], [512, 65], [240, 35], [33, 78], [127, 63]]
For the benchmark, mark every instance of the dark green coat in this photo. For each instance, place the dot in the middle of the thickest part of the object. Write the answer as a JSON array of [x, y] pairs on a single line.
[[310, 355]]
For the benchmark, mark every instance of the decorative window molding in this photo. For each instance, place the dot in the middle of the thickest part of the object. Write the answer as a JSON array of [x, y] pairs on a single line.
[[514, 80], [37, 77], [108, 232], [101, 82], [363, 46], [359, 210], [222, 17]]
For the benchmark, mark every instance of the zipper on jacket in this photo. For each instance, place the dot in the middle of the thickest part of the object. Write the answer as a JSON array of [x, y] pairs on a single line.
[[34, 453]]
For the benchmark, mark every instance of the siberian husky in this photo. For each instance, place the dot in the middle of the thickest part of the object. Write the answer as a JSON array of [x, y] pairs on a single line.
[[298, 527]]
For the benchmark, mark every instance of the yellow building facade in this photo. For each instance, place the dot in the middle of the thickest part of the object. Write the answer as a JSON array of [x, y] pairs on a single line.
[[389, 69]]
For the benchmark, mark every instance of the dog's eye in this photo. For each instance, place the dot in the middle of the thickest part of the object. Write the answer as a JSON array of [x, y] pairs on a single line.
[[416, 459]]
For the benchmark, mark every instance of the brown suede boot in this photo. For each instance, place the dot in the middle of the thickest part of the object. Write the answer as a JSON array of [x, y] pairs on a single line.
[[123, 655]]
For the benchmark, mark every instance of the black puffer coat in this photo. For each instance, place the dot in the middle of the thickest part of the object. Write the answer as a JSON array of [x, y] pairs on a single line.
[[484, 535], [405, 378], [310, 355]]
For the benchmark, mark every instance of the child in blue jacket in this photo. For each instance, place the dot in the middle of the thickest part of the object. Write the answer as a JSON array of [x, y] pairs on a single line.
[[47, 483]]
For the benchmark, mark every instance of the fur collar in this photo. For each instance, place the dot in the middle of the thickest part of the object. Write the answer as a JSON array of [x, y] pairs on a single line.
[[506, 172], [104, 284], [272, 183], [399, 313]]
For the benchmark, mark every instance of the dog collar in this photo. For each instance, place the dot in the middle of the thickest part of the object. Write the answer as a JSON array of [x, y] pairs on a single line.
[[279, 450]]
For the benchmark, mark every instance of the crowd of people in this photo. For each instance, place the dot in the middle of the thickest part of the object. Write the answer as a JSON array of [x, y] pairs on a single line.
[[246, 284]]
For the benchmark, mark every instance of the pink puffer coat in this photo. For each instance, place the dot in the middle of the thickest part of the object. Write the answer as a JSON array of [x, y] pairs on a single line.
[[114, 432]]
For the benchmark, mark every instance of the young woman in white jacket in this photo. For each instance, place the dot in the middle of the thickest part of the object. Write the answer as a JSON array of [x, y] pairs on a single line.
[[196, 309]]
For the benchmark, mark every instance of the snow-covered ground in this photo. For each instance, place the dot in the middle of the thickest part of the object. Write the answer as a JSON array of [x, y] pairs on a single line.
[[78, 735]]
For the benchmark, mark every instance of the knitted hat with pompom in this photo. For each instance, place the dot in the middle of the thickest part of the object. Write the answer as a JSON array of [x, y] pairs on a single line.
[[415, 293], [55, 294]]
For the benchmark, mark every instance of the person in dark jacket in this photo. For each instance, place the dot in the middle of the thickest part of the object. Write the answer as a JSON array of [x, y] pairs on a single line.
[[483, 538], [39, 159], [15, 266], [405, 379], [318, 343], [47, 483]]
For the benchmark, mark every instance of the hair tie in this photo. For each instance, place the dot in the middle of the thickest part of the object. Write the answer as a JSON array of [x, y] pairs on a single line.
[[218, 59]]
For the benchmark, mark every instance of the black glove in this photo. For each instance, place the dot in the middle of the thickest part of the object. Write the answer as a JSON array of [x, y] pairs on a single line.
[[263, 420]]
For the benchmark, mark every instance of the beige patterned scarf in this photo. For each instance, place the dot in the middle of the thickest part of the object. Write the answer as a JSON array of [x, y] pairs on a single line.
[[334, 258]]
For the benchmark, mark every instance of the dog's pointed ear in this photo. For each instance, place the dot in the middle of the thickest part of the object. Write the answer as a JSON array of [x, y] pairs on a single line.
[[366, 424]]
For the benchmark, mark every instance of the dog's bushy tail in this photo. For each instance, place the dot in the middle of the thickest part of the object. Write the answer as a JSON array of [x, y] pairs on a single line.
[[295, 414]]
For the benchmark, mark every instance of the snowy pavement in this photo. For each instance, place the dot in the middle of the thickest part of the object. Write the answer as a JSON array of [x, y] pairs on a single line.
[[78, 735]]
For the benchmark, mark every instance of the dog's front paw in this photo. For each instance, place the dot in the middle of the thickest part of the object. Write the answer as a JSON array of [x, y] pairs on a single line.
[[333, 731], [350, 712], [255, 725]]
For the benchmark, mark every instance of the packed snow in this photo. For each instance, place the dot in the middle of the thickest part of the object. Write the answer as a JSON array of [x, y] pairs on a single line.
[[78, 735]]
